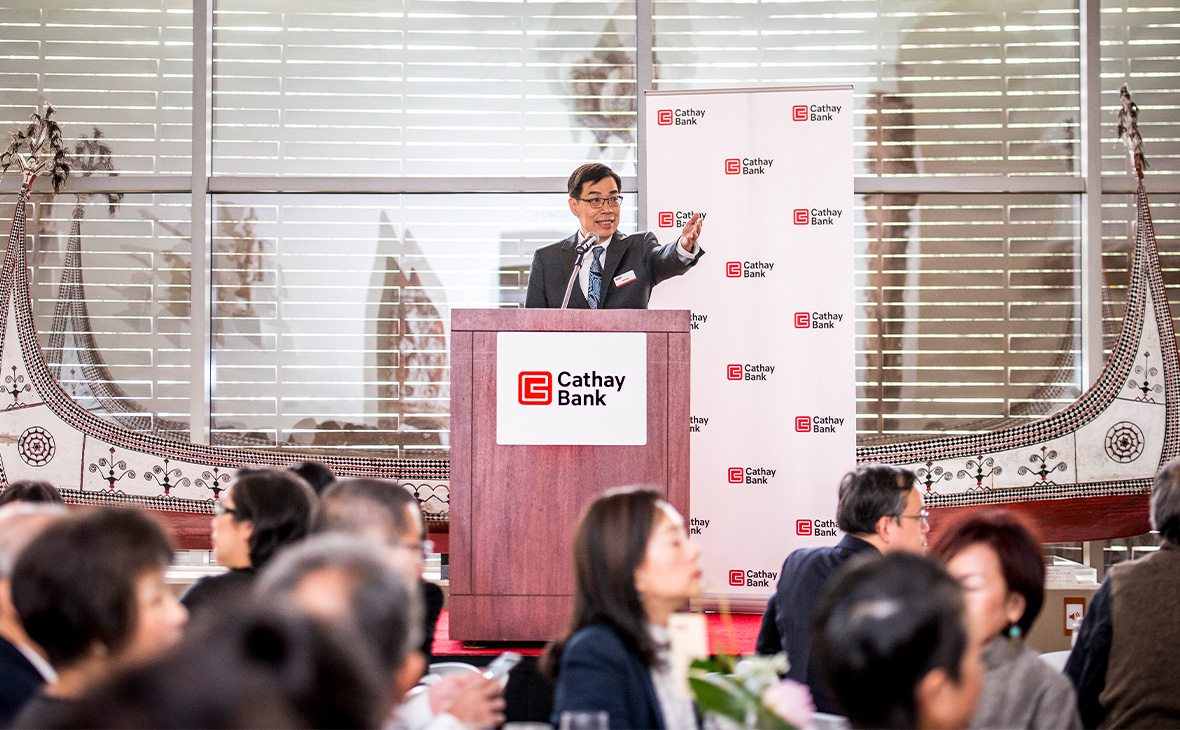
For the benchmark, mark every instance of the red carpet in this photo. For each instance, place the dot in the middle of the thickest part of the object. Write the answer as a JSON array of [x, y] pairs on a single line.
[[733, 634]]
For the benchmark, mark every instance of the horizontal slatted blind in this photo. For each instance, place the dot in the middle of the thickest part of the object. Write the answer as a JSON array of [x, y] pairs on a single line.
[[966, 316], [422, 87], [1140, 46], [123, 66], [967, 88]]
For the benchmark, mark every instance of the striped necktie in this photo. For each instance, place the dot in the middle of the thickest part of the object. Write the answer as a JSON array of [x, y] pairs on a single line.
[[594, 288]]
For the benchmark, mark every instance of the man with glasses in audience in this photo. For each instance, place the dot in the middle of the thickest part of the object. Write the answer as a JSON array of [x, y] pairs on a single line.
[[880, 510], [618, 271]]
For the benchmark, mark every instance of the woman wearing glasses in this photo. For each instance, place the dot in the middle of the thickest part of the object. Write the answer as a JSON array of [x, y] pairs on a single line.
[[999, 564], [264, 510]]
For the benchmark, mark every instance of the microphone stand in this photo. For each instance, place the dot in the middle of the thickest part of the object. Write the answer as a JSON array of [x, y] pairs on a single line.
[[581, 251]]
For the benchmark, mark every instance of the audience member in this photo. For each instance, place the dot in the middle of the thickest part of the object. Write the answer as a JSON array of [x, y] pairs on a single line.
[[359, 583], [891, 641], [262, 511], [260, 667], [317, 475], [28, 490], [90, 592], [633, 567], [880, 511], [387, 512], [998, 562], [24, 668], [1126, 660]]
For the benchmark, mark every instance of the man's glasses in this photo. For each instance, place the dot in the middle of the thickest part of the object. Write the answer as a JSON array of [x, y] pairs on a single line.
[[597, 203], [924, 516], [221, 509], [423, 549]]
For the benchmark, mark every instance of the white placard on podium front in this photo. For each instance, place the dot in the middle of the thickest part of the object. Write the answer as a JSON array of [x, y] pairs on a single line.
[[571, 388]]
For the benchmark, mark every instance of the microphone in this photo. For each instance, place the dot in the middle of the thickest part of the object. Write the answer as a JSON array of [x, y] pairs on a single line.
[[590, 242], [587, 243]]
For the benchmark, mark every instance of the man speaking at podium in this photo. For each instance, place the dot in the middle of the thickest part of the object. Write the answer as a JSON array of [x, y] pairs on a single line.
[[617, 271]]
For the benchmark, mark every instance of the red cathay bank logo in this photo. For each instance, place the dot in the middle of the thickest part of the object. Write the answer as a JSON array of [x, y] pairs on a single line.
[[733, 166], [737, 578], [733, 372], [535, 388], [802, 320], [802, 216], [666, 219], [737, 475], [803, 424], [803, 528], [799, 112], [664, 117], [733, 269]]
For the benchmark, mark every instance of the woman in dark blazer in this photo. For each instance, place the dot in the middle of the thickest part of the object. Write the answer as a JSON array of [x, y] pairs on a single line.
[[634, 566]]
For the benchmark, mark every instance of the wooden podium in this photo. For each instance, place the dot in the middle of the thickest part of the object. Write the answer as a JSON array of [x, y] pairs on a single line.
[[513, 508]]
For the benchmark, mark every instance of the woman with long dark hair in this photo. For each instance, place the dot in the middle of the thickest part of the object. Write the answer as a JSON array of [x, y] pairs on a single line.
[[634, 566]]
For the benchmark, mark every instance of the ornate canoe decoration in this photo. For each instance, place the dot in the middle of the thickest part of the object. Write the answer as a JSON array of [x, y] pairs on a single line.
[[1084, 472], [45, 434]]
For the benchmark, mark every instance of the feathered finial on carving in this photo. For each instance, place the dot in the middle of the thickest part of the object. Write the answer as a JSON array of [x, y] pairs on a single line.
[[93, 155], [47, 150], [1129, 130]]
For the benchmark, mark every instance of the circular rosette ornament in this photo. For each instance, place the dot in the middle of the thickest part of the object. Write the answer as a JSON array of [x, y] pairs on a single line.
[[1124, 442], [36, 446]]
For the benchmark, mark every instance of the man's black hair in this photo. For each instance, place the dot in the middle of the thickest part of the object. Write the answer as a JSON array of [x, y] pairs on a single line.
[[589, 174], [74, 585], [880, 628], [870, 492]]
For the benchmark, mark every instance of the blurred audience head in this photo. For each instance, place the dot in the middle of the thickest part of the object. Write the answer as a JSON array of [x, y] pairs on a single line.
[[317, 475], [879, 503], [260, 668], [633, 565], [263, 510], [355, 582], [1165, 502], [997, 560], [89, 589], [382, 510], [28, 490], [891, 643], [20, 522]]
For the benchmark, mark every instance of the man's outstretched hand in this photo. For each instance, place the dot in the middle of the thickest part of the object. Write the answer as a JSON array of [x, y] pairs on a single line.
[[690, 233]]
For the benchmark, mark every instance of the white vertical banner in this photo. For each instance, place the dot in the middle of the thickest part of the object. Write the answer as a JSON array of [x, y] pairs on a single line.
[[773, 342]]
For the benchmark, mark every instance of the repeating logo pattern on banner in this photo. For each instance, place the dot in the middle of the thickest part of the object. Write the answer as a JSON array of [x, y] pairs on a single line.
[[773, 350]]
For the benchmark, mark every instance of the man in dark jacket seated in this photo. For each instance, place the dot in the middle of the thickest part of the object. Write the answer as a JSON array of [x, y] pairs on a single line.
[[880, 511]]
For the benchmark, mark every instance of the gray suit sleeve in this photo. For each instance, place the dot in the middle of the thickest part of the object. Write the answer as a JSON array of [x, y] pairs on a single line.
[[663, 261]]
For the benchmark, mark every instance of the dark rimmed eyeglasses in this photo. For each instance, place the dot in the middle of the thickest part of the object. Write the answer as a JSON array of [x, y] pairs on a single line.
[[219, 508], [924, 516], [597, 203]]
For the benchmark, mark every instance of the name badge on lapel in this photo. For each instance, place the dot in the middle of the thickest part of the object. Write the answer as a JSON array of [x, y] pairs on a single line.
[[626, 278]]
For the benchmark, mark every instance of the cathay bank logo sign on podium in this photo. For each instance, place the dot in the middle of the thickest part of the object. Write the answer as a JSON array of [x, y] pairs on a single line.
[[571, 388]]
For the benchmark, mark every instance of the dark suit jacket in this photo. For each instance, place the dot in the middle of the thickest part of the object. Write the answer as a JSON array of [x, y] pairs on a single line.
[[598, 674], [639, 252], [19, 682], [786, 625]]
